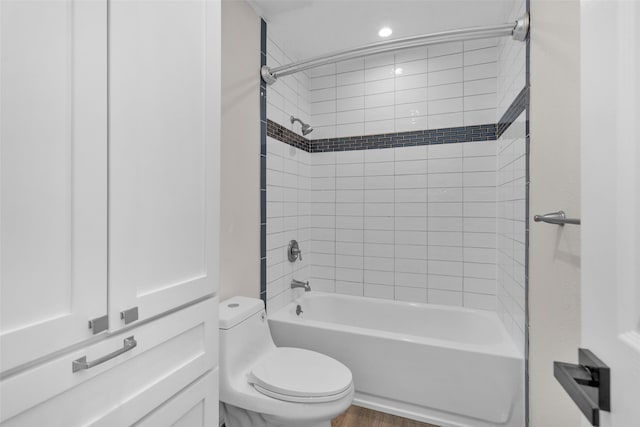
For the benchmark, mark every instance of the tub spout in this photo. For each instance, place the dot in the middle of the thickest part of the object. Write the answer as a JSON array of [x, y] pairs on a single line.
[[298, 284]]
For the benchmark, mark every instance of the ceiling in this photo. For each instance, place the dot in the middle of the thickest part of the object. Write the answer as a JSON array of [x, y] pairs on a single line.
[[306, 28]]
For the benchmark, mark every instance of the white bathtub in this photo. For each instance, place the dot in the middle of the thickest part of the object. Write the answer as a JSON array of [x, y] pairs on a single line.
[[448, 366]]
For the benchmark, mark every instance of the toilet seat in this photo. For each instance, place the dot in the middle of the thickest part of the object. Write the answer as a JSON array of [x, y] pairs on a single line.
[[297, 375]]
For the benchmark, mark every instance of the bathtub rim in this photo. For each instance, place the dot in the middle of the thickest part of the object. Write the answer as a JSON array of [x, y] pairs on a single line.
[[506, 347]]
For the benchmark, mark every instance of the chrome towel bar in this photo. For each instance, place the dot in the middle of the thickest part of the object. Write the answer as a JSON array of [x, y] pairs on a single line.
[[558, 218]]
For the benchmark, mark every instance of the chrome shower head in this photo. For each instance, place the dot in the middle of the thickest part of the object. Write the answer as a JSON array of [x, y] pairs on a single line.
[[306, 129]]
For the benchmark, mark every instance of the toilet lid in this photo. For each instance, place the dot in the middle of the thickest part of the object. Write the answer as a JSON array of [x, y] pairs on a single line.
[[299, 373]]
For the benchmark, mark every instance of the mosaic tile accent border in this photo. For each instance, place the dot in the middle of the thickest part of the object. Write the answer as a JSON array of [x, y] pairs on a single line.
[[407, 139], [513, 112], [274, 130], [384, 140]]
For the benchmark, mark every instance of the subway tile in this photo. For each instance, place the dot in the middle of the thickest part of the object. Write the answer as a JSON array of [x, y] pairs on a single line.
[[349, 288], [415, 109], [482, 71], [350, 117], [411, 251], [346, 104], [322, 82], [453, 90], [438, 296], [378, 236], [413, 280], [418, 195], [379, 113], [323, 70], [350, 78], [411, 209], [323, 107], [380, 182], [378, 291], [323, 94], [411, 95], [439, 121], [410, 294], [383, 155], [379, 100], [444, 209], [445, 268], [379, 250], [349, 209], [378, 209], [411, 67], [479, 301], [378, 86], [350, 129], [447, 283], [445, 77], [411, 153], [377, 168], [413, 54], [410, 82], [379, 277], [350, 65], [378, 60], [443, 106], [480, 102], [410, 123], [445, 62], [481, 56], [382, 126], [479, 117], [348, 91], [379, 73], [379, 264], [378, 223], [445, 253], [445, 49], [479, 87]]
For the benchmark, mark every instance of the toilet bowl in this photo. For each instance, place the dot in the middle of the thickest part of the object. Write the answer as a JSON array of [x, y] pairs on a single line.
[[262, 385]]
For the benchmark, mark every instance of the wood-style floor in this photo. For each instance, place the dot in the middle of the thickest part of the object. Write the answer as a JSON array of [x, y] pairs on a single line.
[[362, 417]]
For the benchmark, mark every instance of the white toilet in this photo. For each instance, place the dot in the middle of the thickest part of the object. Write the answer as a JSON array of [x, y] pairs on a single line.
[[262, 385]]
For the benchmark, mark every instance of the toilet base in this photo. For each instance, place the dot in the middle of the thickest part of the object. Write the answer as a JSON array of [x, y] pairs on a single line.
[[238, 417]]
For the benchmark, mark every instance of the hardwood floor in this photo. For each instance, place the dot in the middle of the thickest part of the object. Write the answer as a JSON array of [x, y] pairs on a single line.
[[362, 417]]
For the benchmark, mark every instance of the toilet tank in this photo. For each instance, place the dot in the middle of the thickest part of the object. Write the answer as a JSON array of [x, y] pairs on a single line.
[[244, 334]]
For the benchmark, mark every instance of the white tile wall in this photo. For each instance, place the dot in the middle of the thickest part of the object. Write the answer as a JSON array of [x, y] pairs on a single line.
[[288, 217], [448, 85], [511, 205], [511, 63], [410, 223], [290, 95]]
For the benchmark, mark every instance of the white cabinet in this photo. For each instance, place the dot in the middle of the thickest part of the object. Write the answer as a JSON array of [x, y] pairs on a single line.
[[109, 140], [53, 175], [109, 165], [172, 353], [164, 109]]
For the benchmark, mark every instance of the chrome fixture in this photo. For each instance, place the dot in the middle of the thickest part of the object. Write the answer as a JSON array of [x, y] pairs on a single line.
[[306, 129], [81, 364], [298, 284], [294, 252], [558, 218], [518, 31], [299, 310]]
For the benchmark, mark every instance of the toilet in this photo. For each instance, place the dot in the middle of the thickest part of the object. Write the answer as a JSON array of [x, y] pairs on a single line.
[[262, 385]]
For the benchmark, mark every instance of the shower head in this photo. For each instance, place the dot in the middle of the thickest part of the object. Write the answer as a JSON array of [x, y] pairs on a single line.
[[306, 129]]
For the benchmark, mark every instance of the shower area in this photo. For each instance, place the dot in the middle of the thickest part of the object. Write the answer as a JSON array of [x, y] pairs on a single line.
[[400, 171]]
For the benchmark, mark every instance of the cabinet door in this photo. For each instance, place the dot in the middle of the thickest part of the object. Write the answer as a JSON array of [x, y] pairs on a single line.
[[163, 151], [53, 175]]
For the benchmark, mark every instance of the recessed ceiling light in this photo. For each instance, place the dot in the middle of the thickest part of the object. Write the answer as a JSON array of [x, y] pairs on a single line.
[[385, 32]]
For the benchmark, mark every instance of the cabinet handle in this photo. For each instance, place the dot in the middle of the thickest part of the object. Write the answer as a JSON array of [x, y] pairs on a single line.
[[81, 363]]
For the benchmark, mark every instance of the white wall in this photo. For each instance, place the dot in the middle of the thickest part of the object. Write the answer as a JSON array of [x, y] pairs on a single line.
[[554, 272], [240, 150], [446, 85], [412, 223]]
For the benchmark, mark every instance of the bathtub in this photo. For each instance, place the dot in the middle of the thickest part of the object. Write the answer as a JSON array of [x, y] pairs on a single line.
[[443, 365]]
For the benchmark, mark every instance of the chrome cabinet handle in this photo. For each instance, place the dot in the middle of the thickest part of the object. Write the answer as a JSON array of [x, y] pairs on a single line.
[[81, 364], [558, 218]]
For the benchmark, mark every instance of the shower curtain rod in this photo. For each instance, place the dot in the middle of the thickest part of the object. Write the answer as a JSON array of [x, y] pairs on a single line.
[[517, 30]]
